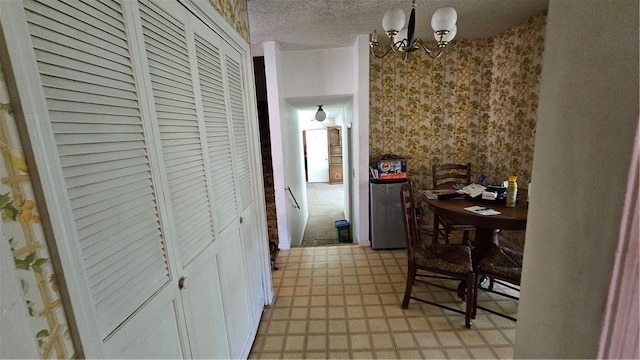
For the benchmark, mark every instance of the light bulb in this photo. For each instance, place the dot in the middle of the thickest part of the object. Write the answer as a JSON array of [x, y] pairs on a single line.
[[449, 36], [401, 35], [321, 115], [393, 20], [444, 19]]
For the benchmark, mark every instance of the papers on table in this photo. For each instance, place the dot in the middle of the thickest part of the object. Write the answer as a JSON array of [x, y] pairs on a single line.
[[441, 194], [473, 190], [482, 210]]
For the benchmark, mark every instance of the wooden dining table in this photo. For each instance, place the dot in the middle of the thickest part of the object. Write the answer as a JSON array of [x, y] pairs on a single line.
[[487, 226]]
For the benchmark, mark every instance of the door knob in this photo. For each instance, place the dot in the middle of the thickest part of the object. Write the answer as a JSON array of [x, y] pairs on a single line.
[[182, 282]]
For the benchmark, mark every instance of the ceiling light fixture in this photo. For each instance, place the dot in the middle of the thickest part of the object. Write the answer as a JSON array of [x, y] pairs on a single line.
[[321, 115], [443, 23]]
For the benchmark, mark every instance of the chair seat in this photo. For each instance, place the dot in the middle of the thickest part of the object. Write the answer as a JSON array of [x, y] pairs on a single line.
[[456, 226], [502, 262], [453, 258]]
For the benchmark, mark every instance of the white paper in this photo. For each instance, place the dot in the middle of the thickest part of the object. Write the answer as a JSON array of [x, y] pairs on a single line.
[[487, 195], [473, 190], [482, 210]]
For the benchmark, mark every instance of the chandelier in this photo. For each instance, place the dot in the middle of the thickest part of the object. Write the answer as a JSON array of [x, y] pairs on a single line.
[[320, 114], [443, 23]]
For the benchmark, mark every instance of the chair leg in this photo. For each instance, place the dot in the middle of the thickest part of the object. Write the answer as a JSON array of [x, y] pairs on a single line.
[[476, 289], [465, 238], [471, 298], [411, 276], [435, 229]]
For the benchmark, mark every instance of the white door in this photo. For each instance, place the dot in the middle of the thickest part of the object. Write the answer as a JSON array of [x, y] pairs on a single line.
[[143, 152], [317, 155], [169, 49]]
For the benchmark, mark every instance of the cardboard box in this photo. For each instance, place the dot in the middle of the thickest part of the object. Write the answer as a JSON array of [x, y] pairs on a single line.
[[392, 169]]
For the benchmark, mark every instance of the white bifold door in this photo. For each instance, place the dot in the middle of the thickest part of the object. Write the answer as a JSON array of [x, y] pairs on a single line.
[[140, 120]]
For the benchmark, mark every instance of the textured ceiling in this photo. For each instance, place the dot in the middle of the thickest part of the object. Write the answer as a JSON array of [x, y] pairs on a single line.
[[325, 24], [322, 24]]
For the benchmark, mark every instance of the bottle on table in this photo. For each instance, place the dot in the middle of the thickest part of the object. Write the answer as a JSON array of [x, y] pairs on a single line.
[[512, 191]]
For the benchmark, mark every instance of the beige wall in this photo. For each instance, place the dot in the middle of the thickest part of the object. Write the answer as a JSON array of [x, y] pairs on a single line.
[[587, 121]]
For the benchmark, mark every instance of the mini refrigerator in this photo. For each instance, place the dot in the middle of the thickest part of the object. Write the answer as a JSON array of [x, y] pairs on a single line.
[[386, 225]]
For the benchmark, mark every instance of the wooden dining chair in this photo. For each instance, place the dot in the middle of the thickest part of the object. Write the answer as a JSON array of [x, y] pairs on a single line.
[[446, 176], [504, 267], [434, 261]]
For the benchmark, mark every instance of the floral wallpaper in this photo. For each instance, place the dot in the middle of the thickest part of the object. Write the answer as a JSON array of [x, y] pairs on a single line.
[[22, 228], [476, 103], [236, 14]]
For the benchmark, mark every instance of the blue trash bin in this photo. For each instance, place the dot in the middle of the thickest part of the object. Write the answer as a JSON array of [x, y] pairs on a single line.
[[343, 230]]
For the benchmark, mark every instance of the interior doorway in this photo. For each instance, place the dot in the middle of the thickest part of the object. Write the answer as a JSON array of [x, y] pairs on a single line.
[[317, 155], [325, 202]]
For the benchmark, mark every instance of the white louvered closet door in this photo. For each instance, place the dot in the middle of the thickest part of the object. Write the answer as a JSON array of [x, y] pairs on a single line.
[[243, 165], [214, 105], [165, 39], [87, 66], [232, 266], [138, 110], [238, 119], [170, 52]]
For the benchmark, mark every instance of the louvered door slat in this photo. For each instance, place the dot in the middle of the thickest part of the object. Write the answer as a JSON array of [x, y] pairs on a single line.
[[89, 88], [102, 273], [104, 166], [187, 150], [110, 202], [78, 128], [164, 90], [210, 77], [110, 184], [241, 145], [91, 179], [58, 52], [102, 232], [107, 11], [169, 66], [83, 59], [111, 215]]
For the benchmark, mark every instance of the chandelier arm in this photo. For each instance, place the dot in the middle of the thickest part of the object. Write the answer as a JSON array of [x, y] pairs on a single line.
[[373, 51], [393, 47], [432, 53]]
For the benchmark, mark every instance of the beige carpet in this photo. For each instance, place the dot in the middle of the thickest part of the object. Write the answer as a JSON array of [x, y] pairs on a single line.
[[326, 205]]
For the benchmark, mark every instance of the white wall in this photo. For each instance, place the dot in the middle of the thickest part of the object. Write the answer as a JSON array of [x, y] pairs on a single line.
[[294, 175], [312, 73], [347, 122], [360, 139], [278, 121], [587, 119]]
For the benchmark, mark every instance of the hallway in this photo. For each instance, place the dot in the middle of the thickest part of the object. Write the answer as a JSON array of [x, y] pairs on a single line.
[[326, 205]]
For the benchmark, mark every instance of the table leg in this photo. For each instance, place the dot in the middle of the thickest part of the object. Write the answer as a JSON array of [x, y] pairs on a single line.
[[484, 240]]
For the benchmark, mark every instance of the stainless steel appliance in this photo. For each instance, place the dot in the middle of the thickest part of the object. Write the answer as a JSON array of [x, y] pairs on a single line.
[[386, 229]]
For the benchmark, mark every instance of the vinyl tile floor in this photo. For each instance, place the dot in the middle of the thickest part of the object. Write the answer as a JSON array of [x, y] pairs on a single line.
[[343, 302]]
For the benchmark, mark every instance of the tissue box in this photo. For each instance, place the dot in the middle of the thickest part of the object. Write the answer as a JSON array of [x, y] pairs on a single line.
[[392, 169], [487, 195]]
